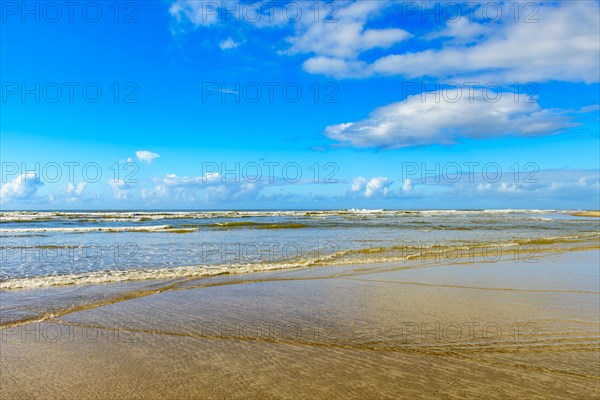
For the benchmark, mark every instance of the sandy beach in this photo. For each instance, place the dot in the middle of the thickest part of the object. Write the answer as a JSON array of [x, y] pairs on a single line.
[[587, 214], [320, 200], [444, 330]]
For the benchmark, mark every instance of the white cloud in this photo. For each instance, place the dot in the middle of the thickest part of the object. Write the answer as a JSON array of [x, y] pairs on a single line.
[[196, 12], [336, 67], [484, 186], [75, 190], [232, 192], [560, 189], [210, 187], [345, 39], [194, 181], [506, 187], [215, 187], [320, 28], [145, 155], [444, 117], [335, 45], [120, 188], [23, 186], [462, 31], [229, 43], [358, 184], [235, 12], [564, 187], [374, 187], [564, 45], [157, 192]]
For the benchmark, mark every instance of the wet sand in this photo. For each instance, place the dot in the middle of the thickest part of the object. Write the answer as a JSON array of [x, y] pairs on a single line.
[[507, 329], [587, 214]]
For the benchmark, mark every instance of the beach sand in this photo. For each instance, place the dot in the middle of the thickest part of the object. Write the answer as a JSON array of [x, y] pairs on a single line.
[[587, 214], [506, 329]]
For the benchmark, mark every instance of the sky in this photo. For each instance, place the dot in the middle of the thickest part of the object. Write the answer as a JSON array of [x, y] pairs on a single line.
[[299, 105]]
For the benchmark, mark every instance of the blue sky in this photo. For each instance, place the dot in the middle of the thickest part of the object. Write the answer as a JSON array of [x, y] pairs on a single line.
[[396, 105]]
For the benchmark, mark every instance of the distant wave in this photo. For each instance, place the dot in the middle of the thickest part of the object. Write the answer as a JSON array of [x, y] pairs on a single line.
[[137, 228], [141, 216], [233, 225], [259, 225]]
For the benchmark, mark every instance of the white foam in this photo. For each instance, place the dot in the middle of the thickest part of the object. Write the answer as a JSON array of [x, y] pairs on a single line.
[[142, 274], [341, 257], [137, 216], [138, 228]]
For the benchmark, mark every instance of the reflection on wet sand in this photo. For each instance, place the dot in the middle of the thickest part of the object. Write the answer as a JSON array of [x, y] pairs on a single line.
[[472, 329]]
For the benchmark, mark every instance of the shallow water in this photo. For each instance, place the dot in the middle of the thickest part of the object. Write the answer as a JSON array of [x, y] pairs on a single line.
[[42, 249], [57, 262], [506, 329]]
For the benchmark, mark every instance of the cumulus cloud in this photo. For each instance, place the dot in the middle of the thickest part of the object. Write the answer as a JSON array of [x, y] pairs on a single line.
[[190, 10], [374, 187], [210, 187], [75, 192], [334, 48], [443, 117], [560, 189], [336, 67], [563, 45], [320, 28], [232, 192], [462, 31], [120, 188], [555, 187], [217, 187], [23, 186], [145, 155], [347, 37], [175, 187], [229, 43], [560, 42]]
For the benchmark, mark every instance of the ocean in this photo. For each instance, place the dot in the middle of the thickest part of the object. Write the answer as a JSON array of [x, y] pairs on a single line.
[[374, 302], [47, 248]]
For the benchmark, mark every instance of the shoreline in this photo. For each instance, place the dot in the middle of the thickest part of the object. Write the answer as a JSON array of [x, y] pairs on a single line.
[[94, 294], [586, 214], [526, 329], [406, 252]]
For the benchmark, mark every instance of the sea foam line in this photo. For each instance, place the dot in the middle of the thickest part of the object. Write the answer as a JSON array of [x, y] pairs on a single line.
[[142, 228], [341, 257]]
